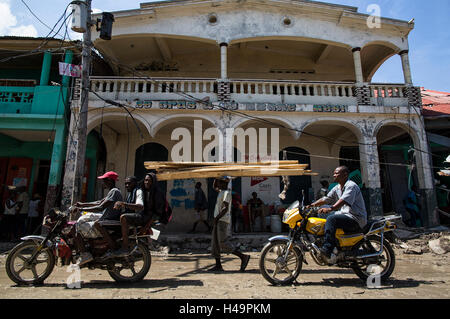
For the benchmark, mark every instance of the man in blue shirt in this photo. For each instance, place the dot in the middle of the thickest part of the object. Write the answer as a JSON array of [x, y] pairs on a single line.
[[347, 203]]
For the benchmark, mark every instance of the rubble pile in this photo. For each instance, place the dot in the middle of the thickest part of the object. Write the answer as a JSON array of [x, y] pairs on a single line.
[[418, 241]]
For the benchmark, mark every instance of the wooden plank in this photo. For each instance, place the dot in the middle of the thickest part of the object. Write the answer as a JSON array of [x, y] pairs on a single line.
[[233, 173], [234, 167], [155, 165]]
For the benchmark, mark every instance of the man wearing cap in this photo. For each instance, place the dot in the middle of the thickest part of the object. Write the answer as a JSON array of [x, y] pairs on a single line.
[[103, 210]]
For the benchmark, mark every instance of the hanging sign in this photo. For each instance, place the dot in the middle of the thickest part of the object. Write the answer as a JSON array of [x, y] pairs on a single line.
[[69, 70]]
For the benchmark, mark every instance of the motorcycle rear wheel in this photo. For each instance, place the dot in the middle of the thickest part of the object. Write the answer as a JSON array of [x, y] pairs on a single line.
[[386, 260], [29, 274], [124, 269], [271, 263]]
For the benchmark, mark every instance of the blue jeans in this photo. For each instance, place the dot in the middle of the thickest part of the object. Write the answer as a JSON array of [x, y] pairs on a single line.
[[334, 222]]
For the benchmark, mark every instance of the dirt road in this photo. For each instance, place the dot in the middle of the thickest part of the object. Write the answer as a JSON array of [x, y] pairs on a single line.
[[183, 275]]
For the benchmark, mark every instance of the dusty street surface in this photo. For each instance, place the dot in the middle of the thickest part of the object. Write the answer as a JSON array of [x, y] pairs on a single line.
[[418, 274]]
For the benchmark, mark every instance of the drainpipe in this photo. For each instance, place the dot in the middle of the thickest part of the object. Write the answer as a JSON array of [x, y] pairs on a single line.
[[46, 64]]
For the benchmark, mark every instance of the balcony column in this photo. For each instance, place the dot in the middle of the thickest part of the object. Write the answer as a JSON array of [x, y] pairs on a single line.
[[46, 65], [358, 66], [412, 93], [404, 55], [223, 60], [223, 84], [362, 91]]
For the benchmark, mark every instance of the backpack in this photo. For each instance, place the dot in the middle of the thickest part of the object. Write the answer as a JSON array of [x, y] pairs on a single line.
[[166, 216]]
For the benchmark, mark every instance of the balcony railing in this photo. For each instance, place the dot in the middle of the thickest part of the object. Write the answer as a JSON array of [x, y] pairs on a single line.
[[156, 89], [16, 99], [244, 91], [32, 100]]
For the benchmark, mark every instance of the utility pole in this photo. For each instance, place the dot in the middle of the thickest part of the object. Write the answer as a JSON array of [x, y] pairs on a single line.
[[83, 110], [76, 146]]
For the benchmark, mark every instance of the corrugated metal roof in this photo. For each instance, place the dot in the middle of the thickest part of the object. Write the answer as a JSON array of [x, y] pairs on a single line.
[[435, 103]]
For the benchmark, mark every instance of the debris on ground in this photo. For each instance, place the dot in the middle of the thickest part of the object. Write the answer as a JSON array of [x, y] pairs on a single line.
[[418, 241]]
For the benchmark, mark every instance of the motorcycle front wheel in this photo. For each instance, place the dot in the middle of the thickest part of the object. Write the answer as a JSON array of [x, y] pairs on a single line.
[[132, 268], [382, 266], [22, 270], [274, 268]]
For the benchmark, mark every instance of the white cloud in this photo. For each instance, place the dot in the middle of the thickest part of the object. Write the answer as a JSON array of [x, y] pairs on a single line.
[[24, 31], [8, 23]]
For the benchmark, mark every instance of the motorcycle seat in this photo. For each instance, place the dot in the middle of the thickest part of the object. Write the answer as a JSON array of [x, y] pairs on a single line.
[[370, 223]]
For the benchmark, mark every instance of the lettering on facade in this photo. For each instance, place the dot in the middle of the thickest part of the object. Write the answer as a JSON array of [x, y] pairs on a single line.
[[273, 107], [145, 104], [330, 108], [280, 107], [180, 105]]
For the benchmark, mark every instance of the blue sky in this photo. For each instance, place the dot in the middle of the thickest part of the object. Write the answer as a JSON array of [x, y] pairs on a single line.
[[429, 41]]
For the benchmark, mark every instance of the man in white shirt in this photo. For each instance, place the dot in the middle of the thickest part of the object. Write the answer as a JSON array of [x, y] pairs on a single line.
[[221, 229], [133, 215], [9, 216], [350, 211], [33, 214], [23, 202]]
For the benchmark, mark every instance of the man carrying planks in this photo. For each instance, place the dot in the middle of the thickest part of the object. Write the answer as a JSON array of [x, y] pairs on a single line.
[[221, 230]]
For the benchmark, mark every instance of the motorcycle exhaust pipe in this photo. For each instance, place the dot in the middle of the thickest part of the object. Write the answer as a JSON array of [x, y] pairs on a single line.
[[378, 253]]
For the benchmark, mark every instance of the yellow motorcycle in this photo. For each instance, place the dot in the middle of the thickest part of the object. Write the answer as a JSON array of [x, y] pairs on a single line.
[[365, 252]]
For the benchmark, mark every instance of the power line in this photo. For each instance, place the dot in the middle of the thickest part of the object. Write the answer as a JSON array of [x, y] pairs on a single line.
[[34, 15]]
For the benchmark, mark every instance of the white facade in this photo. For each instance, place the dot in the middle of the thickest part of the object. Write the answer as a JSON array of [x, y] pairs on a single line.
[[303, 67]]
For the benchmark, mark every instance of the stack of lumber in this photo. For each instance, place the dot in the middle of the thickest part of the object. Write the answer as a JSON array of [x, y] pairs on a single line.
[[186, 170]]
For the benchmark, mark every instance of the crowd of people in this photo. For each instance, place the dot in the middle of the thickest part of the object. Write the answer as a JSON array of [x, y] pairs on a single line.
[[21, 214]]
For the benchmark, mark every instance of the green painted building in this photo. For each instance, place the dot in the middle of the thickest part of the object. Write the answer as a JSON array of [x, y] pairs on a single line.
[[34, 116]]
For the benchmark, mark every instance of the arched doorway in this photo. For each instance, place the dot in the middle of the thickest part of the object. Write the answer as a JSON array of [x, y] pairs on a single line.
[[150, 152], [398, 170], [297, 184]]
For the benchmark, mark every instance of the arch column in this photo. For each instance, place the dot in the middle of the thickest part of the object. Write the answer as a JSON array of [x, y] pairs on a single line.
[[370, 173], [425, 176]]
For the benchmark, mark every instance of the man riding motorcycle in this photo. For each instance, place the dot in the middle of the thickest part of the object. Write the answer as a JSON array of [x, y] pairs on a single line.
[[350, 211], [134, 204], [86, 224], [148, 210]]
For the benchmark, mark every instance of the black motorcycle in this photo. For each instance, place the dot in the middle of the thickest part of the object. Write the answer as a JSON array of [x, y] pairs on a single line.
[[33, 260]]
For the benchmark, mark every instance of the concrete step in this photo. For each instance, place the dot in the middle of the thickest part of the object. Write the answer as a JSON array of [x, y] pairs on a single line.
[[247, 241]]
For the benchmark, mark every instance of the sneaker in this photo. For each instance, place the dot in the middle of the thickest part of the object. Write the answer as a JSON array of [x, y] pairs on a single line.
[[327, 257], [244, 262], [84, 258]]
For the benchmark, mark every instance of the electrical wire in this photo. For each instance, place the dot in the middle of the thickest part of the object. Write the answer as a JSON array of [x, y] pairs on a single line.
[[34, 15]]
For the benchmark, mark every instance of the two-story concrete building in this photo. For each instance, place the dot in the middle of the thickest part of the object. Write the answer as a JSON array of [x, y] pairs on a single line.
[[303, 67]]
